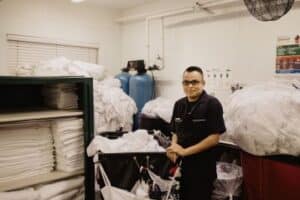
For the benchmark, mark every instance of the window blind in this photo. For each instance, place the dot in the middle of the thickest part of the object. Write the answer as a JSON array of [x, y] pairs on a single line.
[[27, 50]]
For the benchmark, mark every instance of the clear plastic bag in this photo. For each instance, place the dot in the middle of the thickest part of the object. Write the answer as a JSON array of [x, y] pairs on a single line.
[[229, 181]]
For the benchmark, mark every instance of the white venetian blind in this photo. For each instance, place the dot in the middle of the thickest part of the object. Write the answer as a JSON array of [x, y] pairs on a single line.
[[28, 50]]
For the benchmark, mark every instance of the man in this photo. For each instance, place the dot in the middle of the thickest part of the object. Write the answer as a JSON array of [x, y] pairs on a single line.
[[197, 123]]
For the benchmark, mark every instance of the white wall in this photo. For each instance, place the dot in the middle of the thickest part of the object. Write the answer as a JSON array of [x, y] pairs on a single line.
[[238, 42], [60, 19]]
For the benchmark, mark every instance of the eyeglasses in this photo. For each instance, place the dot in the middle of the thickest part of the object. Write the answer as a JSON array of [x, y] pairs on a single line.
[[193, 82]]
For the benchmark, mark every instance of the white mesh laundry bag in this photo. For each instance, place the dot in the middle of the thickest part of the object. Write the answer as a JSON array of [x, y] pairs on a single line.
[[110, 192], [169, 188], [229, 181], [163, 184], [141, 189], [157, 188]]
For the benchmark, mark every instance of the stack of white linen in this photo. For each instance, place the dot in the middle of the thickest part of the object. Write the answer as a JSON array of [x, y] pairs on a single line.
[[61, 96], [26, 149], [69, 189], [113, 108], [159, 108], [138, 141], [69, 144], [62, 66]]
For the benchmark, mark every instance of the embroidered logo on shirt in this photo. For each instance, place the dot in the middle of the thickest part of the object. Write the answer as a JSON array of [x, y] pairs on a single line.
[[199, 120]]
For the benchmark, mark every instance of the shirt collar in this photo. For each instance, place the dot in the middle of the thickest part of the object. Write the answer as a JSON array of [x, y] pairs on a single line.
[[201, 98]]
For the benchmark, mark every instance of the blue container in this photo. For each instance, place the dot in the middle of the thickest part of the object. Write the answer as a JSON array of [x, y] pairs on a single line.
[[141, 87], [124, 77]]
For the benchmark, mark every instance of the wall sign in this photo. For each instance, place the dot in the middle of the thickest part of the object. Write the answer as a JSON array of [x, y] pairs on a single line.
[[288, 55]]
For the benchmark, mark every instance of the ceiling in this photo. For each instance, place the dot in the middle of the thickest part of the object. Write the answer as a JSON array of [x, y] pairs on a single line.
[[119, 4]]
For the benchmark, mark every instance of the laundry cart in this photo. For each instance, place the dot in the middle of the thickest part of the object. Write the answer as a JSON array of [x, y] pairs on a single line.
[[136, 173], [131, 172]]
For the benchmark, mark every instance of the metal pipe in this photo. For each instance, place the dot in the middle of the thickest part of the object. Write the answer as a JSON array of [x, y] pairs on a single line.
[[174, 12], [171, 13], [167, 14], [163, 43], [148, 42]]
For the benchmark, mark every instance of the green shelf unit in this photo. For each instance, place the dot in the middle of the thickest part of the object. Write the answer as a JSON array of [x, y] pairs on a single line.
[[21, 100]]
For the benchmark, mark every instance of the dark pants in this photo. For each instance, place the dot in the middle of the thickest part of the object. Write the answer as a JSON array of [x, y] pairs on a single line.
[[197, 180]]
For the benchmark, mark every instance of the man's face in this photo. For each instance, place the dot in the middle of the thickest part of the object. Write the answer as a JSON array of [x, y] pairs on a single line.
[[193, 84]]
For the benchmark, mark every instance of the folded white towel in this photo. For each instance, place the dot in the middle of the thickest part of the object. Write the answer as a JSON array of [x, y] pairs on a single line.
[[66, 196], [80, 197], [27, 194], [54, 189], [26, 174]]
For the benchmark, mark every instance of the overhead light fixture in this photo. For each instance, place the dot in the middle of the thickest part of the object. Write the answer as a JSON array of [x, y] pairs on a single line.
[[268, 10], [77, 1]]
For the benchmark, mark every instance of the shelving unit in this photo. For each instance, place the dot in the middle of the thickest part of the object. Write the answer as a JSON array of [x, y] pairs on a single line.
[[34, 180], [22, 100], [15, 116]]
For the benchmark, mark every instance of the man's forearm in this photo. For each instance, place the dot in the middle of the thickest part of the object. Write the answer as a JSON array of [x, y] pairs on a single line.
[[210, 141]]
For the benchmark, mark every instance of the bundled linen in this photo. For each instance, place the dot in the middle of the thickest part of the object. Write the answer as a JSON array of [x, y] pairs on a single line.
[[264, 119], [61, 66], [61, 96], [26, 150], [69, 144], [113, 108], [159, 107], [138, 141]]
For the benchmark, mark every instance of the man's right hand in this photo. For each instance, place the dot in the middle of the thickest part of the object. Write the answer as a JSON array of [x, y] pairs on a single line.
[[172, 156]]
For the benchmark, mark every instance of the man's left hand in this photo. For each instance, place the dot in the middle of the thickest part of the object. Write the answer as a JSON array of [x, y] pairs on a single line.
[[176, 148]]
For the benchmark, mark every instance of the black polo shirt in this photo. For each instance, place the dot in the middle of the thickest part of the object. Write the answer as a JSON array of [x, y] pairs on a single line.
[[194, 121]]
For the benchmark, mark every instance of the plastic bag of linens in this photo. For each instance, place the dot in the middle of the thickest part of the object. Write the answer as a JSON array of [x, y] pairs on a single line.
[[263, 119], [229, 181]]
